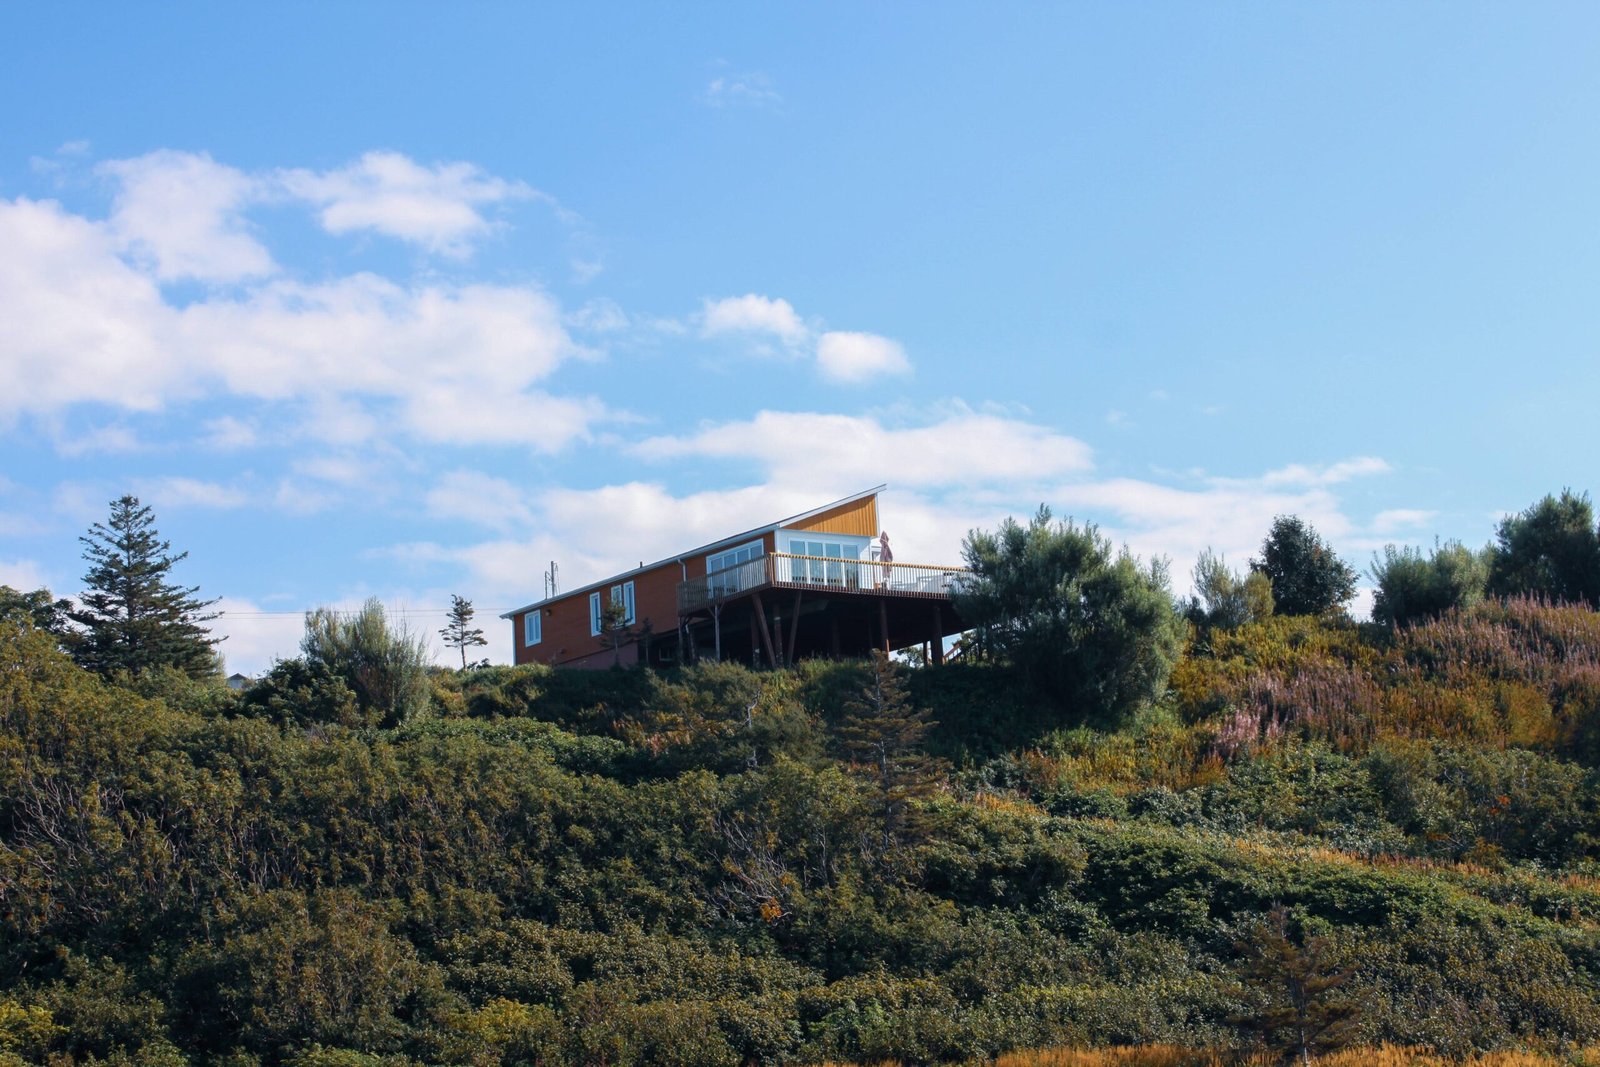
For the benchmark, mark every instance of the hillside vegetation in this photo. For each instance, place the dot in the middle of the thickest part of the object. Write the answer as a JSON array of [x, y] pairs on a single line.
[[721, 866]]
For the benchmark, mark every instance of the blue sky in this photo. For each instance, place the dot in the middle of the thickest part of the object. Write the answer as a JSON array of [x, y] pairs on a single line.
[[406, 300]]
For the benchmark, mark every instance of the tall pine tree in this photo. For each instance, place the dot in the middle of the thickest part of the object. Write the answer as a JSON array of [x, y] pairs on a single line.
[[884, 736], [459, 631], [131, 617]]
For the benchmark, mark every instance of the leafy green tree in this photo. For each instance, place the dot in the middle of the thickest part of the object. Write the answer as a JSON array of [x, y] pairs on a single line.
[[297, 692], [1550, 550], [37, 609], [1413, 587], [1300, 1007], [459, 631], [386, 667], [885, 734], [1307, 577], [132, 617], [1095, 630], [1224, 599]]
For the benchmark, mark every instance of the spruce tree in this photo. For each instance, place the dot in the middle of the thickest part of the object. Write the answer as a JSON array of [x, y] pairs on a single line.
[[884, 734], [1301, 1008], [131, 617], [459, 631]]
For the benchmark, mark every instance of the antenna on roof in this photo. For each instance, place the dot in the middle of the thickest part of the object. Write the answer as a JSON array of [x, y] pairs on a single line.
[[551, 578]]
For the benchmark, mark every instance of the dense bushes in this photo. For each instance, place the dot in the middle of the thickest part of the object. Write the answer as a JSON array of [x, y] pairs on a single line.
[[628, 868]]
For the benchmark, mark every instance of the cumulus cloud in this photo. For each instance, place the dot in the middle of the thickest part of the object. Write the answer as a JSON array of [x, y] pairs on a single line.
[[841, 355], [805, 449], [181, 212], [440, 207], [857, 357], [752, 314], [456, 364], [482, 499], [24, 575]]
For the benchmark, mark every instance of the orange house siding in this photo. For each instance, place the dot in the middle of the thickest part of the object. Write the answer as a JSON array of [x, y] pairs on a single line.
[[859, 518], [566, 640]]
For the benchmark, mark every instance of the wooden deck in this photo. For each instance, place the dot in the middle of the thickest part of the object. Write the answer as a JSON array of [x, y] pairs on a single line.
[[783, 570]]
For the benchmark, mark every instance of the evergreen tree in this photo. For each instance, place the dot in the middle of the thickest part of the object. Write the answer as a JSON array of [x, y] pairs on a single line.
[[1550, 550], [1300, 1007], [132, 618], [1094, 630], [885, 734], [1307, 577], [459, 631]]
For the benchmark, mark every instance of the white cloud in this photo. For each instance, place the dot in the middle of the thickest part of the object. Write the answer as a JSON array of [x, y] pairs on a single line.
[[438, 207], [180, 492], [181, 212], [752, 89], [851, 452], [858, 357], [458, 364], [1401, 519], [23, 575], [82, 442], [255, 637], [600, 315], [1331, 474], [227, 434], [752, 313], [69, 303], [475, 497]]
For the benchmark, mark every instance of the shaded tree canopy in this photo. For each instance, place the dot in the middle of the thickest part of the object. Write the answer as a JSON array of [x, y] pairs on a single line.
[[385, 666], [1224, 599], [1307, 577], [1092, 628], [132, 617], [1549, 550], [1413, 587], [38, 609]]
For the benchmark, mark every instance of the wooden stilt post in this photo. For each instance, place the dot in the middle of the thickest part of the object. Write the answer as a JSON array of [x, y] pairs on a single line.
[[883, 624], [794, 627], [761, 627], [938, 637], [833, 631]]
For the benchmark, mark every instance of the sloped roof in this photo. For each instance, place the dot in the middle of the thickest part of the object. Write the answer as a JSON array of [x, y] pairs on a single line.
[[720, 542]]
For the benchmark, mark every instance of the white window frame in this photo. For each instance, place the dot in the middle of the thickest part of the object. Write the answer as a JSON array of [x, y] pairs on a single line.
[[624, 594], [621, 593], [721, 561], [532, 628]]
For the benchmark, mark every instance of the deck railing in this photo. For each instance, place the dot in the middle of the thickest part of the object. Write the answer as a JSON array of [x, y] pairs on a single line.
[[823, 573]]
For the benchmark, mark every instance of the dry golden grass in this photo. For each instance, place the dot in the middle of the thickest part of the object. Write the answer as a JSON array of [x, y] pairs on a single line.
[[1177, 1056]]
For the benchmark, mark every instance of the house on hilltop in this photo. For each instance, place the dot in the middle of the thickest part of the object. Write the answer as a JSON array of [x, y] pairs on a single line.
[[813, 584]]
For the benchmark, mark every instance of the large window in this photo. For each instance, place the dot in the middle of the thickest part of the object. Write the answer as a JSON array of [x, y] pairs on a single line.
[[822, 569], [533, 627], [733, 557], [722, 585], [620, 594]]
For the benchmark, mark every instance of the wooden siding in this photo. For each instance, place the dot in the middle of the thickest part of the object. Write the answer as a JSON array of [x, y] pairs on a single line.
[[859, 517], [566, 638]]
